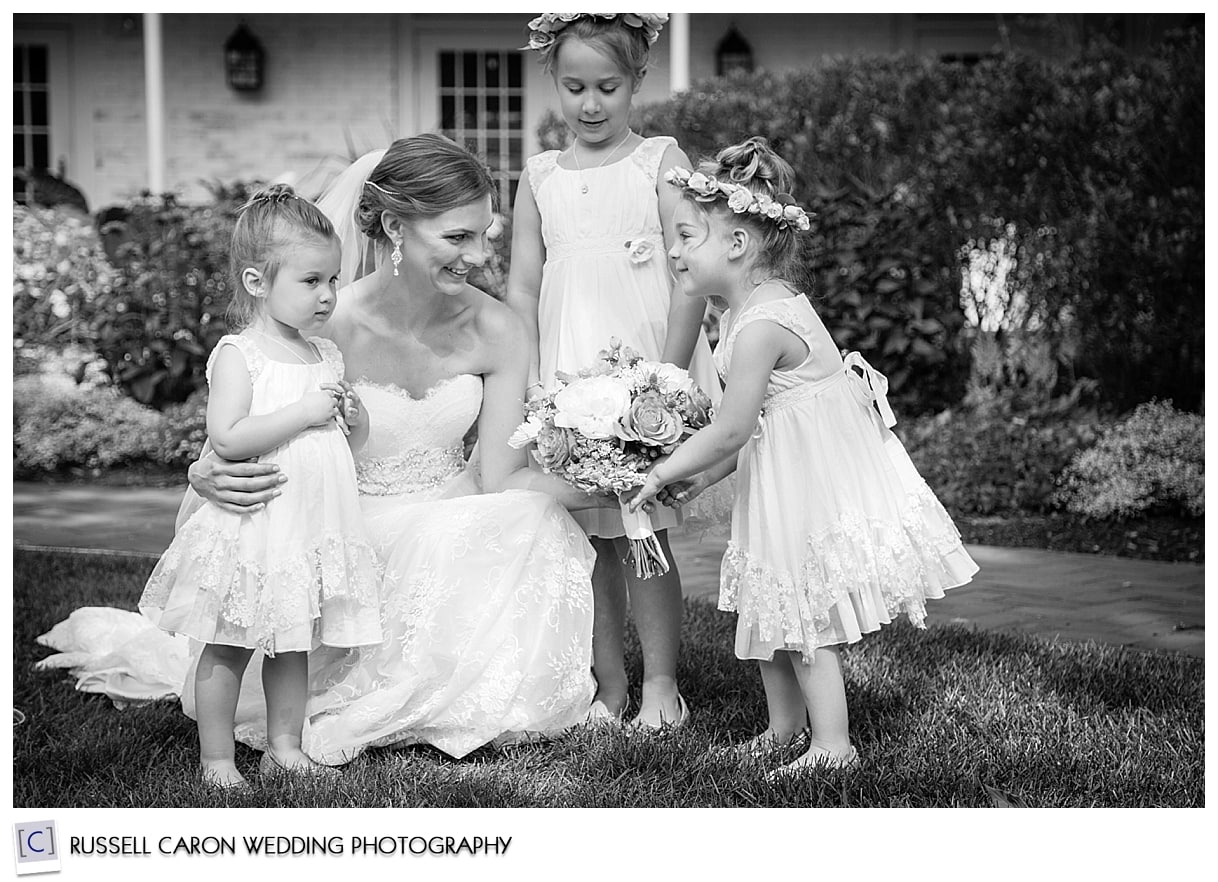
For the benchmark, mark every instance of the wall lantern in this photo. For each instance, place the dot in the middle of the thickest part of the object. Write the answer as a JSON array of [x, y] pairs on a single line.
[[733, 54], [243, 60]]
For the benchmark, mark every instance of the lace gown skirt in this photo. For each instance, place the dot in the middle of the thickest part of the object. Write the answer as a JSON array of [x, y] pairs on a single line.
[[833, 542]]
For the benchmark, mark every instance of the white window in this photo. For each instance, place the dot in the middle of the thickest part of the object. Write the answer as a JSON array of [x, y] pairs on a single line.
[[481, 95]]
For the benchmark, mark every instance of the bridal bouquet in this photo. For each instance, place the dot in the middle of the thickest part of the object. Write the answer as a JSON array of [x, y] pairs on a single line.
[[602, 428]]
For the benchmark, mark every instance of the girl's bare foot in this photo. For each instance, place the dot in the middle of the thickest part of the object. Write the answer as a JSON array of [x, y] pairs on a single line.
[[295, 763], [819, 757], [222, 776]]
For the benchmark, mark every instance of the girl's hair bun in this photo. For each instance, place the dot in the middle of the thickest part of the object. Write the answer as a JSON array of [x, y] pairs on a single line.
[[753, 162]]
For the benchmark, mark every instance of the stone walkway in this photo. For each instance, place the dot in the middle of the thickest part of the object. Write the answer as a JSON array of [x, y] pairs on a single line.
[[1072, 597]]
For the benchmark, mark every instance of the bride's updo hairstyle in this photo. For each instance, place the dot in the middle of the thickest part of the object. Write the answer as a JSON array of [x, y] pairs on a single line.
[[755, 165], [421, 177]]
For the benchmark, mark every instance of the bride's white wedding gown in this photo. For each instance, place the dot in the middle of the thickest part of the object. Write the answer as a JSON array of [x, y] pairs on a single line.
[[486, 606]]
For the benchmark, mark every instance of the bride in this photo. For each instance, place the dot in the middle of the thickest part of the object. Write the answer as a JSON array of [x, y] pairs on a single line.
[[487, 602]]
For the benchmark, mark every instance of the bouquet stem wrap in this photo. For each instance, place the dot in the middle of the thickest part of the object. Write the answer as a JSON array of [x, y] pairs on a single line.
[[645, 551]]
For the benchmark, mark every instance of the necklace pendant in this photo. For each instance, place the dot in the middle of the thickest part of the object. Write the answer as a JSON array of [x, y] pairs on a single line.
[[584, 188]]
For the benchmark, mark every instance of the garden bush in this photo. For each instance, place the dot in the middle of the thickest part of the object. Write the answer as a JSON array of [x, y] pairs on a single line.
[[985, 462], [1058, 198], [60, 273], [185, 430], [59, 424], [1151, 461], [165, 311]]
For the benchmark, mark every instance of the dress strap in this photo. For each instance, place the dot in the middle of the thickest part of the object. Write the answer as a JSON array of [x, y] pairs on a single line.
[[255, 360], [782, 312], [330, 354], [540, 167], [650, 153]]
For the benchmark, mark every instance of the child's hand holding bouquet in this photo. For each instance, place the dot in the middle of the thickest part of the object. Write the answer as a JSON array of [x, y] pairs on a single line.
[[602, 430]]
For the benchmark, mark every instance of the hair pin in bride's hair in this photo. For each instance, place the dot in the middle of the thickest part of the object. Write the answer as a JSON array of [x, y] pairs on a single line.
[[378, 186]]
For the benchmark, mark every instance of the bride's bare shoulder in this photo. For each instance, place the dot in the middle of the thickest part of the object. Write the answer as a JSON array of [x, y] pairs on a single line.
[[497, 322]]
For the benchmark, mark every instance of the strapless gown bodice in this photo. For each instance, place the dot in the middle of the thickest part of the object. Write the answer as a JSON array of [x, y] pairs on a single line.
[[416, 445]]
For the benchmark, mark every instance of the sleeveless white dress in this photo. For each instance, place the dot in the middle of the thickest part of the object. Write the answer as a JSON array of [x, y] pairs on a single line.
[[487, 606], [834, 532], [606, 275], [293, 575]]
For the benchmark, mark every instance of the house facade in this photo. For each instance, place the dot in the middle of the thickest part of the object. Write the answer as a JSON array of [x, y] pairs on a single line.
[[118, 103]]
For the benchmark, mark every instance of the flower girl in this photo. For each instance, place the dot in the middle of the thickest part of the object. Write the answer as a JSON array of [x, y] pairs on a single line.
[[590, 228], [833, 530], [299, 571]]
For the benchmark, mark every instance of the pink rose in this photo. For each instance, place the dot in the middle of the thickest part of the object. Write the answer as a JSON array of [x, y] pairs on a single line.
[[554, 447], [648, 421]]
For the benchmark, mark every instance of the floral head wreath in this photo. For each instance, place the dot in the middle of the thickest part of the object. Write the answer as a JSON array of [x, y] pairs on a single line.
[[779, 209], [543, 30]]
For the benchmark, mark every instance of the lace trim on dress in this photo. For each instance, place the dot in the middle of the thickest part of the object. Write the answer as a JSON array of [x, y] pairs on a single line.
[[783, 312], [330, 354], [250, 602], [422, 468], [648, 155], [902, 564], [255, 360], [540, 167]]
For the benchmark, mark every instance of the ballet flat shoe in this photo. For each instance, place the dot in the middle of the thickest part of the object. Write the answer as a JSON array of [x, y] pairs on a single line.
[[600, 715], [683, 715]]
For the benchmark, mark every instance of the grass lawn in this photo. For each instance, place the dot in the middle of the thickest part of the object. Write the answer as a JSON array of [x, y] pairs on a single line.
[[944, 717]]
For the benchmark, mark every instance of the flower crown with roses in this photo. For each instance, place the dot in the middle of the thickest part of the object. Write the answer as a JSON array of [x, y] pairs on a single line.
[[544, 28], [779, 209]]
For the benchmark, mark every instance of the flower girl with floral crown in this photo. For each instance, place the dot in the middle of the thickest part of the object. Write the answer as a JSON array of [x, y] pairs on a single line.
[[591, 225], [833, 530]]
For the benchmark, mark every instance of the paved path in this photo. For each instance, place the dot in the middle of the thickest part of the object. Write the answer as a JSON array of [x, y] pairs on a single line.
[[1072, 597]]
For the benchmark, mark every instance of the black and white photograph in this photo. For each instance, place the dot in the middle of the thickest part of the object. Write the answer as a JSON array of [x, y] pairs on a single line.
[[713, 409]]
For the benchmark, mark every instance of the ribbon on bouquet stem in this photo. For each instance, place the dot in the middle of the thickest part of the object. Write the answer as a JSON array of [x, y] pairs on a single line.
[[645, 551]]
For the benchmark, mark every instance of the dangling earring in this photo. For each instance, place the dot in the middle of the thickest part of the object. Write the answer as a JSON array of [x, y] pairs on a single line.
[[396, 256]]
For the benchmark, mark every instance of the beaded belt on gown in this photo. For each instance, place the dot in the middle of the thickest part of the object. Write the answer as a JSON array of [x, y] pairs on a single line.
[[422, 468]]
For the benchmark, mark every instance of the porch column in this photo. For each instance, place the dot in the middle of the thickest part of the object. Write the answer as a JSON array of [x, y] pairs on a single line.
[[154, 100], [678, 29]]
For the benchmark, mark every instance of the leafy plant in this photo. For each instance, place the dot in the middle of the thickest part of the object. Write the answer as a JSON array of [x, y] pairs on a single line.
[[60, 272], [1154, 459], [59, 424], [164, 313], [1059, 199]]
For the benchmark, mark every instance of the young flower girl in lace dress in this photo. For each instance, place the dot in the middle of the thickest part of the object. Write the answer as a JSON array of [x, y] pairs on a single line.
[[833, 530], [297, 572]]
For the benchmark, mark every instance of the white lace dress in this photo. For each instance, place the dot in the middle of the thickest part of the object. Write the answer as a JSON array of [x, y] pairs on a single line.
[[487, 606], [606, 275], [296, 574], [833, 530]]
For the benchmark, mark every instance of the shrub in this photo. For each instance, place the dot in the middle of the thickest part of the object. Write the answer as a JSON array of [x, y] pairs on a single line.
[[165, 312], [60, 272], [59, 424], [1058, 198], [185, 430], [987, 462], [1153, 460]]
